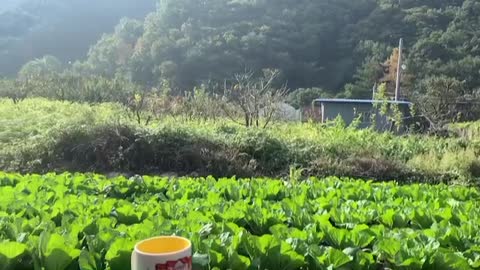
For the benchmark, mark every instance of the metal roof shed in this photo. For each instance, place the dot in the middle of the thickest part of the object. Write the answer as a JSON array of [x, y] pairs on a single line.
[[350, 109]]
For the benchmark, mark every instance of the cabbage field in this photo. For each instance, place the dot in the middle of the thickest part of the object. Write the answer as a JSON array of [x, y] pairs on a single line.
[[88, 221]]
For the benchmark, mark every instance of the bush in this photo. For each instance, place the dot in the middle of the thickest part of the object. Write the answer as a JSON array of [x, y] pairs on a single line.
[[41, 136], [271, 154], [463, 163]]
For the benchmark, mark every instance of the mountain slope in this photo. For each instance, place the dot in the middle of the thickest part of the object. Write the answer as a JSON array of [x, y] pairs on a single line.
[[65, 29]]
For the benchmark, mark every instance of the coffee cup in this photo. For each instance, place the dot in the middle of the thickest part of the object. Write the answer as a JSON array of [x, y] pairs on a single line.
[[162, 253]]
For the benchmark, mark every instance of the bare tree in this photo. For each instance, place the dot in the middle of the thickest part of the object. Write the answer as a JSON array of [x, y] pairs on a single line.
[[444, 100], [256, 98]]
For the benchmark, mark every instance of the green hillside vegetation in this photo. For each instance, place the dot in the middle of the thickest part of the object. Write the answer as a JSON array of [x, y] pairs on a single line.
[[468, 130], [38, 135], [342, 48], [337, 45]]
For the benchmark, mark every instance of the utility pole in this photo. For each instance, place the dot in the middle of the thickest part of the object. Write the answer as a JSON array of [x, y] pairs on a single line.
[[399, 70]]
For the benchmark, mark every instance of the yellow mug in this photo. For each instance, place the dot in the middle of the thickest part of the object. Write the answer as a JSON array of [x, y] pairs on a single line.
[[163, 253]]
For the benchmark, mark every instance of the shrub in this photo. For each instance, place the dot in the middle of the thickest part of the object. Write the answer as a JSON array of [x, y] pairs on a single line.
[[463, 163], [37, 135]]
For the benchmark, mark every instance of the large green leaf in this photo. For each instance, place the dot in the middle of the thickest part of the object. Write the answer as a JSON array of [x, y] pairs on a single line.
[[363, 261], [239, 262], [422, 218], [284, 232], [447, 260], [200, 261], [361, 236], [216, 258], [59, 255], [394, 219], [337, 238], [267, 252], [86, 261], [127, 214], [387, 247], [337, 258], [12, 250], [329, 258], [119, 254]]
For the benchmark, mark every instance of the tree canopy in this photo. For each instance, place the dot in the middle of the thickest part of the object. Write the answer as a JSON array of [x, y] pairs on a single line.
[[337, 45]]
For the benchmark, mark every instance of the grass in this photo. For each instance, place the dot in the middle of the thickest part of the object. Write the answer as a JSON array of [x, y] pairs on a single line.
[[37, 119], [37, 135], [469, 130]]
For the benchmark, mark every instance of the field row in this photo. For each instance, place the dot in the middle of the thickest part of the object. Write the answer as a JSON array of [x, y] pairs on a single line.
[[87, 221]]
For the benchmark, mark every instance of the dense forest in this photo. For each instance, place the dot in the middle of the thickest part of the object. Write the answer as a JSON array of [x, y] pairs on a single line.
[[340, 48]]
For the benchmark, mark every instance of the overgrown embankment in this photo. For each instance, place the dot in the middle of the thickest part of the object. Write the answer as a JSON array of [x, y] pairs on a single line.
[[41, 136]]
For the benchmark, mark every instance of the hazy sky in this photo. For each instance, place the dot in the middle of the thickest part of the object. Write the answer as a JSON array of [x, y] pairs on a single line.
[[63, 28], [9, 4]]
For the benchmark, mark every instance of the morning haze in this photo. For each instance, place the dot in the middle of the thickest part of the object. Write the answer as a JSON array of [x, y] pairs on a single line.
[[66, 29]]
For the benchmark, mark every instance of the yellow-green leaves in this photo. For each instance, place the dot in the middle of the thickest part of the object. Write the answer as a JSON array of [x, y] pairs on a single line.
[[249, 224], [56, 253], [119, 253], [9, 252]]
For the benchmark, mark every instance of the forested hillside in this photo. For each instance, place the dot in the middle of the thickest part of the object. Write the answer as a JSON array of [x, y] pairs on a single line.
[[334, 44], [65, 29], [340, 48]]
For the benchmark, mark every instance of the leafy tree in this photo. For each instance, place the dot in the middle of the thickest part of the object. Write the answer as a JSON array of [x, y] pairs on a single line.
[[47, 65], [446, 100]]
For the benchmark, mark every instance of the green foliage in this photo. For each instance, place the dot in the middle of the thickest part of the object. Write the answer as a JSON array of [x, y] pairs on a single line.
[[392, 112], [200, 104], [33, 124], [304, 97], [189, 43], [468, 130], [49, 222], [446, 100], [209, 41], [14, 90], [365, 78], [39, 135], [463, 163], [45, 66], [71, 87]]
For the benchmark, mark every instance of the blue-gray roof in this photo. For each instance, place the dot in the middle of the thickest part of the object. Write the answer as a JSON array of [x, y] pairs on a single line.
[[341, 100]]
